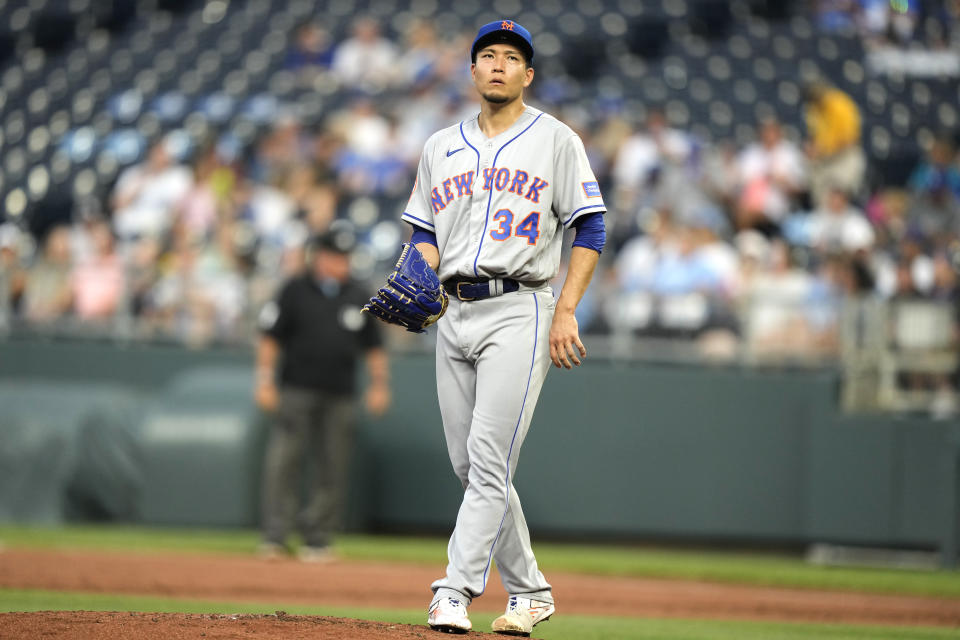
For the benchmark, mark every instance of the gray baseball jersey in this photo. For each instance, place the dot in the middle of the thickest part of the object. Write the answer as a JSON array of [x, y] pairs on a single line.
[[498, 207]]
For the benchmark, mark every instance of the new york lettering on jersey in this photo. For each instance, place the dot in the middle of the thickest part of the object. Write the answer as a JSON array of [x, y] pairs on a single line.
[[498, 178], [444, 194]]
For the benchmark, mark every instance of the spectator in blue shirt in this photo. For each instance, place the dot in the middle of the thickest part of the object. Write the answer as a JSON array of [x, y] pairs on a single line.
[[311, 49]]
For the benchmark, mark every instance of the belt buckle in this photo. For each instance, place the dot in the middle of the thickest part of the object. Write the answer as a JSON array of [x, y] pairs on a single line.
[[460, 295]]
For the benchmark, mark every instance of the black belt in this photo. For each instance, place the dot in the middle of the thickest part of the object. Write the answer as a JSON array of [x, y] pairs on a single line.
[[467, 289]]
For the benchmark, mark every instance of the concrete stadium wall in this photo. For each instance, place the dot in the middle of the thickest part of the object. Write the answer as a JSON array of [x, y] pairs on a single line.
[[629, 450]]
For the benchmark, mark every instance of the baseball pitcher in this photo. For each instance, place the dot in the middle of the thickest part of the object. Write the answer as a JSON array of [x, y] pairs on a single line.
[[492, 198]]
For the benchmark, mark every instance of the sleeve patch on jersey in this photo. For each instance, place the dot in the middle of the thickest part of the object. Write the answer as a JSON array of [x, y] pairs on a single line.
[[592, 189]]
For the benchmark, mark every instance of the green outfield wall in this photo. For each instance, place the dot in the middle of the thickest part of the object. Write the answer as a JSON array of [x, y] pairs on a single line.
[[615, 450]]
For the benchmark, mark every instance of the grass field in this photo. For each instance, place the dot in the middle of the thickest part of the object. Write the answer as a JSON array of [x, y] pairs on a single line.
[[744, 568], [719, 566]]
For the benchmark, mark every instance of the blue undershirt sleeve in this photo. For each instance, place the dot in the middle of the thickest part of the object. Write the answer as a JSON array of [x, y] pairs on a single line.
[[591, 232], [422, 235]]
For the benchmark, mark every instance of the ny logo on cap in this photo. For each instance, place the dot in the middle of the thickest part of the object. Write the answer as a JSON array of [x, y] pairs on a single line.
[[507, 24]]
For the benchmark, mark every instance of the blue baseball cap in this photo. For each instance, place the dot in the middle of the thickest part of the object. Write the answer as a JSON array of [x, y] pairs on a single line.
[[503, 31]]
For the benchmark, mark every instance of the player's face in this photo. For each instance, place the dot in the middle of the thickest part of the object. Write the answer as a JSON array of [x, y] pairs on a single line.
[[500, 73]]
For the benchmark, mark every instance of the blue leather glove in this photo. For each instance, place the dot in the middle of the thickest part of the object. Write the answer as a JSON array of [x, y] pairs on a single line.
[[413, 296]]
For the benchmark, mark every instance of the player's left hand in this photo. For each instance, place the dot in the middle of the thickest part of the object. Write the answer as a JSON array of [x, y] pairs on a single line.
[[565, 342], [413, 296]]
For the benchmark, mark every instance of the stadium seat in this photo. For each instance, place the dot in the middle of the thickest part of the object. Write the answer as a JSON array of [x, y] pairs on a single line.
[[788, 93], [38, 144], [126, 145], [60, 167], [783, 47], [758, 31], [920, 93], [900, 119], [721, 114], [853, 73], [947, 116], [744, 91], [700, 90], [827, 48], [38, 102], [764, 69], [14, 163]]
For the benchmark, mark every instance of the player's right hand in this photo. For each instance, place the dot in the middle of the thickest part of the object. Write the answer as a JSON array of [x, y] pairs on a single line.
[[565, 343]]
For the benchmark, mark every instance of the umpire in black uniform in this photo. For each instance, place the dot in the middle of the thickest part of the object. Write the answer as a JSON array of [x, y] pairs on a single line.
[[311, 339]]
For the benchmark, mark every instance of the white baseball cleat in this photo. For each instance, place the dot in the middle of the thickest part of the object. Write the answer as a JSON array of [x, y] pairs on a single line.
[[522, 615], [449, 615]]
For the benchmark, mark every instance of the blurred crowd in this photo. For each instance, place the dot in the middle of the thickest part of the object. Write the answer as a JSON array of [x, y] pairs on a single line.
[[922, 24], [912, 37], [709, 241]]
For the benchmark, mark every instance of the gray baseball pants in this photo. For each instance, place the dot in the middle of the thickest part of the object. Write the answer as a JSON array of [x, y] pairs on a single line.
[[492, 358]]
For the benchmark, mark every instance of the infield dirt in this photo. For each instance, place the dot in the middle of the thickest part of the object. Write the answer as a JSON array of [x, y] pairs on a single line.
[[238, 578]]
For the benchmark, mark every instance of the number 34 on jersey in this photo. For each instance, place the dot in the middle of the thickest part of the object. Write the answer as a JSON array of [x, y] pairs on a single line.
[[498, 179]]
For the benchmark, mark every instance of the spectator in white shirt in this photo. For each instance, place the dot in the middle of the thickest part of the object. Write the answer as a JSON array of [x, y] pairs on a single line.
[[643, 156], [365, 60], [147, 194], [771, 172], [839, 227]]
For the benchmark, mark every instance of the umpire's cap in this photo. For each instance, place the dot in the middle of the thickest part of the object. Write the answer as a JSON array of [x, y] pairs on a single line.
[[503, 31], [337, 239]]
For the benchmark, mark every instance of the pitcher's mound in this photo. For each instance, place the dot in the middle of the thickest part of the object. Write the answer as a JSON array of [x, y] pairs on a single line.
[[99, 625]]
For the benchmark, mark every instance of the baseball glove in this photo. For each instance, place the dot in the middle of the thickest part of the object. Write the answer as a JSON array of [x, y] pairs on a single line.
[[413, 296]]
